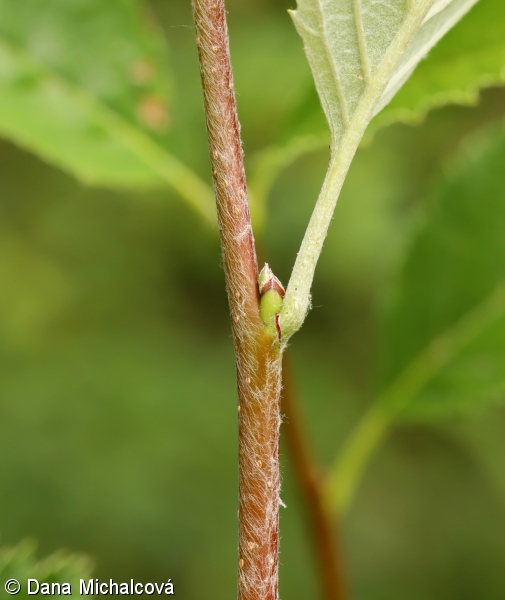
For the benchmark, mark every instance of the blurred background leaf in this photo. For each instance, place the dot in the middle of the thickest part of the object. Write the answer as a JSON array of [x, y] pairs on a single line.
[[441, 347], [20, 562], [453, 270], [86, 85]]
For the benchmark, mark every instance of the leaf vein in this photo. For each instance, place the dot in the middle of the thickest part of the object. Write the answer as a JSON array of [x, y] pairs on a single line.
[[334, 70], [360, 30]]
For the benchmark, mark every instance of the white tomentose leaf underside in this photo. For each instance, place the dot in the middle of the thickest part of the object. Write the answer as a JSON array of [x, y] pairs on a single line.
[[347, 41], [361, 52]]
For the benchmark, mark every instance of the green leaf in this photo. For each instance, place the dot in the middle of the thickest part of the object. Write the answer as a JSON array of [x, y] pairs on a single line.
[[20, 563], [85, 85], [449, 304], [362, 52], [442, 344], [469, 58]]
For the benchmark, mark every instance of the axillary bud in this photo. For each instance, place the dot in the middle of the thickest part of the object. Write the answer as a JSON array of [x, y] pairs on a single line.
[[271, 295]]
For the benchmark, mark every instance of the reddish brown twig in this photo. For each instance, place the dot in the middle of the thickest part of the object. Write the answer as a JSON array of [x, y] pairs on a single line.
[[310, 481], [258, 358]]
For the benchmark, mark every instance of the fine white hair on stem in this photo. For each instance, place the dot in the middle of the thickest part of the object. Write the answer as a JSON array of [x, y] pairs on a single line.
[[258, 355], [259, 489]]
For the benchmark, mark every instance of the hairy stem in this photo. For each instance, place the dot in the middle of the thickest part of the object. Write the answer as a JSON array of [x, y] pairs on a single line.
[[258, 356], [311, 483]]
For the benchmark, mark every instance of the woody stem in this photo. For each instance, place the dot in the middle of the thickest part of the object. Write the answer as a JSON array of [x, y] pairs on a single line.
[[258, 357]]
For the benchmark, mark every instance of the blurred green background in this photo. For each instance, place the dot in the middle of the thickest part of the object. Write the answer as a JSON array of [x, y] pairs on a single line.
[[118, 416]]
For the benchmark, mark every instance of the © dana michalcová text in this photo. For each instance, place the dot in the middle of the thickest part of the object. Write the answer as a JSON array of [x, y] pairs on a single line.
[[95, 587]]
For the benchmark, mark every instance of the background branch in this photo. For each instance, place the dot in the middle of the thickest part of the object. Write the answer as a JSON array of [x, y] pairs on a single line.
[[310, 479]]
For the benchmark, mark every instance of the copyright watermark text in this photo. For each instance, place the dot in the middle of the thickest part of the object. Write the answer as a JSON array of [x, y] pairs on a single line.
[[90, 587], [12, 587]]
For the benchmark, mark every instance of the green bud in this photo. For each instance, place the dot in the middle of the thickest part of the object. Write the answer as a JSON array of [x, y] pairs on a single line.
[[270, 305], [271, 295]]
